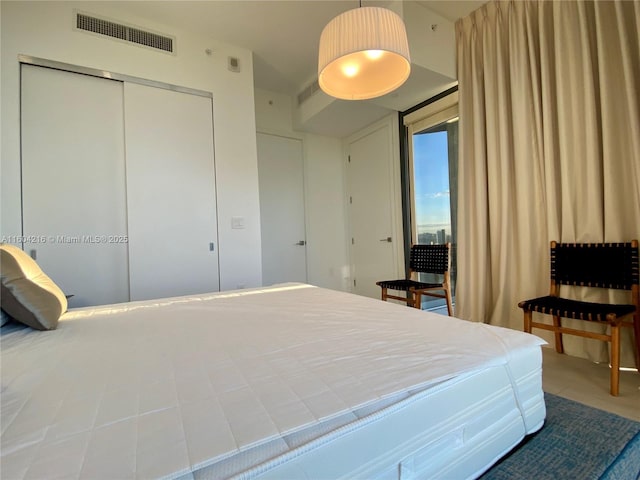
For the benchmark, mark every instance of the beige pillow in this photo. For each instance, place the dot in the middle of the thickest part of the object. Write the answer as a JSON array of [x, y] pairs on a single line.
[[28, 295]]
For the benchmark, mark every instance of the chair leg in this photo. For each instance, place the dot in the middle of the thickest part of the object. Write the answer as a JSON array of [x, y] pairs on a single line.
[[615, 360], [447, 292], [527, 320], [636, 331], [416, 299], [384, 294], [558, 335]]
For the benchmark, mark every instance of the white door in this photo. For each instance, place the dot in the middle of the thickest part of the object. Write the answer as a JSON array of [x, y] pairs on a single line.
[[281, 181], [370, 174], [73, 183], [173, 244]]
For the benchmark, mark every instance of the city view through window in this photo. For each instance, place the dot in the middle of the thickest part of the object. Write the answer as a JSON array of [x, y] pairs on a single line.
[[431, 187]]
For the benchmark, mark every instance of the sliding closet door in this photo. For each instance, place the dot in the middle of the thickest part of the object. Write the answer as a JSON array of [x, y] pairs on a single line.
[[73, 182], [173, 247]]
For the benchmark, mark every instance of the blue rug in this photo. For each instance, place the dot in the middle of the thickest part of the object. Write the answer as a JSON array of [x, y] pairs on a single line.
[[577, 442]]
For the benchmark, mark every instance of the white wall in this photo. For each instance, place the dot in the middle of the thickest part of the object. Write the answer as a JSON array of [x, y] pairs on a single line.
[[45, 30], [436, 33], [327, 257], [274, 112]]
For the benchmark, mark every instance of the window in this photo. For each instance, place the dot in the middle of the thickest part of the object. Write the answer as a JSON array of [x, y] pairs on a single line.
[[432, 167]]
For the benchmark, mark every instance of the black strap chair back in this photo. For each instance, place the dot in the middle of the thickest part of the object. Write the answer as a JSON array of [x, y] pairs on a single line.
[[598, 265], [429, 259], [601, 265], [434, 259]]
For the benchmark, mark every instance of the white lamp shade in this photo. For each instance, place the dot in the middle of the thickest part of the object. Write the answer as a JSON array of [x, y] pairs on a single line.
[[364, 53]]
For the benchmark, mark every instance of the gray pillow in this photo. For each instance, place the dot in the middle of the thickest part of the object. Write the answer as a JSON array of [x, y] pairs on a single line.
[[4, 317], [28, 295]]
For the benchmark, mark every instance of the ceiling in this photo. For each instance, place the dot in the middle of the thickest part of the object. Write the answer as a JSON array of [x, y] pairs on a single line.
[[283, 36]]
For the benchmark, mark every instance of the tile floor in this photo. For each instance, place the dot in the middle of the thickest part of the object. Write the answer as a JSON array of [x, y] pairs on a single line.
[[587, 382]]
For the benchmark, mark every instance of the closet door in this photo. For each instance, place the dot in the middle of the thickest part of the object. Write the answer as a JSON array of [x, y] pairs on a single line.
[[73, 182], [374, 238], [173, 247], [281, 180]]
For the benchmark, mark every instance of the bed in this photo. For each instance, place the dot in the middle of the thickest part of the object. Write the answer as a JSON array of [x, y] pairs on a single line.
[[285, 382]]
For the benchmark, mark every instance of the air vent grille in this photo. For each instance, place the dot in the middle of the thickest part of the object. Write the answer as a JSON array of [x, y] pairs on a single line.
[[307, 92], [124, 32]]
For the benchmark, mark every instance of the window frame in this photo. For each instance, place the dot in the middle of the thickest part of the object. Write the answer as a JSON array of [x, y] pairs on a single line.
[[423, 116]]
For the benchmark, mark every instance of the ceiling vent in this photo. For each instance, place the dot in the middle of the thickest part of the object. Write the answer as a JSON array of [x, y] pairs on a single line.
[[124, 32], [304, 95]]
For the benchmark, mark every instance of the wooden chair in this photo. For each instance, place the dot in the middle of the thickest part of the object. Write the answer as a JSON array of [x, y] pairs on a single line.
[[600, 265], [423, 259]]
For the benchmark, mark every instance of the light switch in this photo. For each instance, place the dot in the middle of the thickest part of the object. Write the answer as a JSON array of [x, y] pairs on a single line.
[[237, 222]]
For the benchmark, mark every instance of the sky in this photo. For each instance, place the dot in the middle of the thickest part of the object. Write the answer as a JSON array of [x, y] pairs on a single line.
[[431, 182]]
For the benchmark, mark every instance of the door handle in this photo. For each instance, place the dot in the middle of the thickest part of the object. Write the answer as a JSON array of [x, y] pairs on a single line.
[[388, 239], [302, 243]]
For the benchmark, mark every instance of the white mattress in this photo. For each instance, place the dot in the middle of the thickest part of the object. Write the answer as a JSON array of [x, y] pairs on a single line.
[[219, 384]]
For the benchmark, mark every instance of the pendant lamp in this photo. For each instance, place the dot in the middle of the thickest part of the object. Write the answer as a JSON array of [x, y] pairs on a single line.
[[364, 53]]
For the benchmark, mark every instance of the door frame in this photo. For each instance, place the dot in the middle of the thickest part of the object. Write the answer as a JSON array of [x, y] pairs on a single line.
[[391, 124], [94, 72], [428, 109]]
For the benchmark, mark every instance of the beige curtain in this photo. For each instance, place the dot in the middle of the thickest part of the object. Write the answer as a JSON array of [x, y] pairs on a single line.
[[549, 149]]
